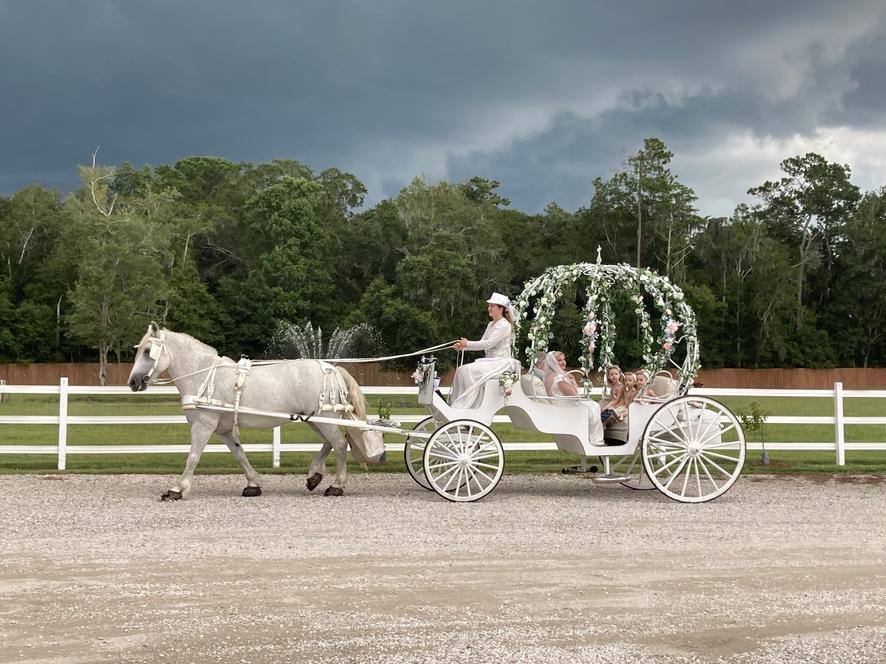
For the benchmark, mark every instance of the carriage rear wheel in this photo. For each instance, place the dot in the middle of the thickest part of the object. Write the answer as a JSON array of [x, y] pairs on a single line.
[[463, 460], [693, 449], [414, 451]]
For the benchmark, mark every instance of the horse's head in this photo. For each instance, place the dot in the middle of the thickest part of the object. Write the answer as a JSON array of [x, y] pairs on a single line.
[[151, 359]]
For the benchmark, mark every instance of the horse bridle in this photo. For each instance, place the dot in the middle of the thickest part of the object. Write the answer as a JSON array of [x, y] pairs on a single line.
[[155, 353]]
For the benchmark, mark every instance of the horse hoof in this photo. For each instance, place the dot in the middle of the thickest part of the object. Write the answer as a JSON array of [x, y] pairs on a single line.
[[334, 491], [171, 495], [313, 481], [251, 491]]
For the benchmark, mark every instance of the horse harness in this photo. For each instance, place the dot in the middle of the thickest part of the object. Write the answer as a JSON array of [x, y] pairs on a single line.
[[333, 395]]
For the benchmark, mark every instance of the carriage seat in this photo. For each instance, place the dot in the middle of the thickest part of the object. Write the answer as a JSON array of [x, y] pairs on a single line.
[[532, 385], [665, 387]]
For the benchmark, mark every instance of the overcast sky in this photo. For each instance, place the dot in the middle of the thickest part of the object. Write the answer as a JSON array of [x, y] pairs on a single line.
[[543, 96]]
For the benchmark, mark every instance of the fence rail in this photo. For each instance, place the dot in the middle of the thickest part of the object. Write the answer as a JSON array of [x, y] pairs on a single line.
[[63, 420]]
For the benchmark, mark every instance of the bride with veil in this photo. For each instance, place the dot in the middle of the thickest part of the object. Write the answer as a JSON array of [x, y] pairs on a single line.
[[558, 383]]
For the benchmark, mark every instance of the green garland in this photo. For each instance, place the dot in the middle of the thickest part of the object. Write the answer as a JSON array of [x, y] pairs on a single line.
[[598, 326]]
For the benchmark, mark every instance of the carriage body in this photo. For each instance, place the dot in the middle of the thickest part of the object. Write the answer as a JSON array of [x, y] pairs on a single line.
[[691, 448]]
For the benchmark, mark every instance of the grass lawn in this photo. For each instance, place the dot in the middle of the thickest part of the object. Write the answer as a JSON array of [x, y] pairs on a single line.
[[517, 462]]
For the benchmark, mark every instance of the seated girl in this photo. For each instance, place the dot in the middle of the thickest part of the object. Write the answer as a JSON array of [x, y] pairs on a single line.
[[643, 387], [613, 406]]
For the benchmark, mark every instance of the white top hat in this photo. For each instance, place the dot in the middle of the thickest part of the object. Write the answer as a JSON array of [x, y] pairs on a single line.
[[499, 299]]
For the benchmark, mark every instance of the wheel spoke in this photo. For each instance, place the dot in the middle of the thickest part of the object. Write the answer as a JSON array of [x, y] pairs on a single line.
[[719, 432], [707, 473], [715, 420], [667, 465], [697, 477], [721, 469], [665, 454], [688, 474], [665, 441], [454, 475], [717, 455], [485, 456], [485, 465], [438, 455], [489, 479], [676, 472], [686, 436], [727, 443], [442, 464]]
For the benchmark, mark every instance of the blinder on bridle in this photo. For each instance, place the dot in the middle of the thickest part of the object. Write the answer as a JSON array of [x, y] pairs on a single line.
[[154, 352]]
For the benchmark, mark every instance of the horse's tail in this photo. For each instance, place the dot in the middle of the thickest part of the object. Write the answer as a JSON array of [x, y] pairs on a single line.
[[368, 445], [355, 395]]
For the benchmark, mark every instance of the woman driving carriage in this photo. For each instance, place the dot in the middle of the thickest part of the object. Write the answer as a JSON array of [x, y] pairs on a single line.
[[467, 386]]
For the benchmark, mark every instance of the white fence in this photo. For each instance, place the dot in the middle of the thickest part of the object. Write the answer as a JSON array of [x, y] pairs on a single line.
[[275, 446]]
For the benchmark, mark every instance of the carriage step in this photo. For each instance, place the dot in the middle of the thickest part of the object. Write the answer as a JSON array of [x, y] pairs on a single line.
[[611, 477]]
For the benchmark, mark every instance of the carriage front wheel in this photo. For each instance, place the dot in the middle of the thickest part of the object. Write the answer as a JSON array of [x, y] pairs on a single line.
[[463, 460], [414, 451], [693, 449]]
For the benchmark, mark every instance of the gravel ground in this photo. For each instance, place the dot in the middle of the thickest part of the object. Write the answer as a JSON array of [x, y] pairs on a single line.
[[547, 568]]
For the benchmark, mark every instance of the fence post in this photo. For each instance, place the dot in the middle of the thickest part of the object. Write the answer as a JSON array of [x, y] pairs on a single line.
[[838, 424], [2, 382], [62, 422], [275, 449]]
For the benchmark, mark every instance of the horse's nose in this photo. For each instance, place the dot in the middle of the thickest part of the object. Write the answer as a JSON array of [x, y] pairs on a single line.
[[384, 455]]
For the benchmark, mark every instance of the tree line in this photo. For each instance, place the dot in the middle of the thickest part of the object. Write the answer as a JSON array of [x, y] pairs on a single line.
[[224, 251]]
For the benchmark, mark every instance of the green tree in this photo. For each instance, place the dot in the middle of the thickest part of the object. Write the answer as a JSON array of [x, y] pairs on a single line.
[[857, 314], [118, 278], [807, 209]]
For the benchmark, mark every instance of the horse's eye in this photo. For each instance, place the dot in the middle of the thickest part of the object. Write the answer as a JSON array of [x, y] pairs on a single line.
[[147, 352]]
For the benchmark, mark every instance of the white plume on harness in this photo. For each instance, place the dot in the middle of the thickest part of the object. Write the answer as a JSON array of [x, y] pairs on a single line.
[[334, 394]]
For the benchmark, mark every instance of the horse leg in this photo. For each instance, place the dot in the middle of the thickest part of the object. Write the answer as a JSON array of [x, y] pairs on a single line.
[[336, 440], [318, 466], [201, 429], [252, 477]]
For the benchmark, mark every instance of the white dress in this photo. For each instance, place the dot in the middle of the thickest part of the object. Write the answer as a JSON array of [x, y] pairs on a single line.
[[555, 377], [467, 386]]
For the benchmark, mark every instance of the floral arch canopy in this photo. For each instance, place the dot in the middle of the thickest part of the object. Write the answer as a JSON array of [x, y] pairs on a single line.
[[598, 331]]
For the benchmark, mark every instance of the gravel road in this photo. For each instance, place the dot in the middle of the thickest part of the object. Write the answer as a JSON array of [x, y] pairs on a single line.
[[546, 569]]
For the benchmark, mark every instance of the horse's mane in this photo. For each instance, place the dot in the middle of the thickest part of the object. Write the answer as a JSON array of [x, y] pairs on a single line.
[[200, 345]]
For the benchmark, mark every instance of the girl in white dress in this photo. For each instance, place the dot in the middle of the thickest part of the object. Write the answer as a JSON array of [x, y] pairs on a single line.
[[467, 386]]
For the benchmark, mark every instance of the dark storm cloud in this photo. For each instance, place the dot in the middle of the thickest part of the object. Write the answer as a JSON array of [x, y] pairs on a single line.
[[542, 96]]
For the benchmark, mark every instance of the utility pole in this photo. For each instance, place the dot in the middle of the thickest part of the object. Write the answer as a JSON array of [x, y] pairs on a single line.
[[639, 205]]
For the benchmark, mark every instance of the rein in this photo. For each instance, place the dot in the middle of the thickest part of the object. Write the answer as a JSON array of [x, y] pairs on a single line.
[[159, 343]]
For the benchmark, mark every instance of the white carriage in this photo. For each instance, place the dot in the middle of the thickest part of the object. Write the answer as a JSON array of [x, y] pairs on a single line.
[[690, 448]]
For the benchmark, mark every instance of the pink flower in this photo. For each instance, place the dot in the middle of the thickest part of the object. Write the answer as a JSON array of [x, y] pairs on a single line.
[[590, 328], [672, 326], [667, 345]]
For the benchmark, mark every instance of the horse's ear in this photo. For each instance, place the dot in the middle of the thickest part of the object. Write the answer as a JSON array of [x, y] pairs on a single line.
[[153, 329]]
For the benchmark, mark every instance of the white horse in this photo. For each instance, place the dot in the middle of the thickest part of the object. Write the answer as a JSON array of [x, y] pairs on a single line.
[[286, 387]]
